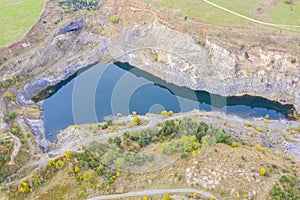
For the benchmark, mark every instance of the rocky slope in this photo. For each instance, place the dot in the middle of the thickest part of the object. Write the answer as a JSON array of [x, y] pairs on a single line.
[[176, 58]]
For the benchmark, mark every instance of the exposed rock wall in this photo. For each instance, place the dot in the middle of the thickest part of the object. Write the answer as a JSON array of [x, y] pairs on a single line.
[[174, 57], [215, 68]]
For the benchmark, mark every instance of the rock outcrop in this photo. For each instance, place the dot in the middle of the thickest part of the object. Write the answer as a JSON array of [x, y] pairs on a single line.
[[38, 130]]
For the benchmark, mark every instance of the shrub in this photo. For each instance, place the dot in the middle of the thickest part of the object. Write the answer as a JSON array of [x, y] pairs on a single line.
[[234, 144], [262, 171], [59, 164], [170, 113], [76, 169], [267, 116], [180, 177], [155, 58], [137, 120], [259, 148], [4, 85], [28, 133], [10, 96], [164, 113], [12, 115], [14, 80], [293, 60], [258, 128], [114, 19], [166, 197], [288, 1]]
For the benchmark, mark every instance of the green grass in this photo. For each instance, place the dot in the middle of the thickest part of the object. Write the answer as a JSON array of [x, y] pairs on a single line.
[[246, 8], [200, 10], [281, 14], [278, 14], [17, 17]]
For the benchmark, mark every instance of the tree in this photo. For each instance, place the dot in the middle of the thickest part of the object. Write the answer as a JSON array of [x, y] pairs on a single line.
[[114, 19], [166, 197], [4, 85], [164, 113], [14, 80], [12, 115], [10, 96], [262, 171], [137, 120], [117, 141], [76, 169], [59, 164]]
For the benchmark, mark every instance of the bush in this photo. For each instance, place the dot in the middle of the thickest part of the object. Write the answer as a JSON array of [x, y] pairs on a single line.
[[262, 171], [258, 128], [234, 144], [137, 120], [288, 1], [10, 96], [11, 115], [293, 60], [166, 197], [4, 85], [114, 19], [76, 169], [164, 113]]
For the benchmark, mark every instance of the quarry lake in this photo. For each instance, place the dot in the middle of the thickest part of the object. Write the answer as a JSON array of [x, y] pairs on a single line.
[[108, 89]]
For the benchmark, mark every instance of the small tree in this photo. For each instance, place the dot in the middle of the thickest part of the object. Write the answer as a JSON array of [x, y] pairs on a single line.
[[10, 96], [4, 85], [59, 164], [164, 113], [14, 80], [166, 197], [288, 1], [76, 169], [137, 120], [262, 171], [114, 19], [11, 115]]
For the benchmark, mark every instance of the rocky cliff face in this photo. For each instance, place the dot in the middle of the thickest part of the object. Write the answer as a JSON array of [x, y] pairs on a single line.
[[253, 70], [176, 58]]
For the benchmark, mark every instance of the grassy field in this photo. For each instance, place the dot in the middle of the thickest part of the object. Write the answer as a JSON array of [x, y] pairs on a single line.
[[17, 17], [246, 8], [279, 13], [286, 14], [200, 10]]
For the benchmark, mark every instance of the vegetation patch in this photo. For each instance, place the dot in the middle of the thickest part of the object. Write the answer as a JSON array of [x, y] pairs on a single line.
[[17, 17], [75, 5]]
